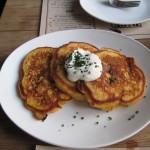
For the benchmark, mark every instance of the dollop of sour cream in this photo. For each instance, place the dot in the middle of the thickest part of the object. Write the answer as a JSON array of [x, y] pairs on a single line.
[[83, 65]]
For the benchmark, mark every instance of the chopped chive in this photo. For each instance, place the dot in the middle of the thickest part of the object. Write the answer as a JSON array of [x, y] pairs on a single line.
[[96, 66], [90, 64], [131, 117], [82, 118], [97, 122], [112, 80], [137, 112], [109, 118]]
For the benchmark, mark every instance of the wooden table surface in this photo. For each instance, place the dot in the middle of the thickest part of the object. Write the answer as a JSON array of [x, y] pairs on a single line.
[[19, 23]]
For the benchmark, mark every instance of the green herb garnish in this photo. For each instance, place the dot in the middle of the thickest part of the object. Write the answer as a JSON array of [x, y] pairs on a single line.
[[137, 112], [82, 118], [96, 66], [110, 70], [133, 116], [109, 118], [69, 57], [97, 122], [79, 63], [112, 79], [90, 64]]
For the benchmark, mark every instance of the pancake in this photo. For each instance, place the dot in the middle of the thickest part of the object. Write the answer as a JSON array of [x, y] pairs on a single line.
[[35, 85], [122, 82], [59, 73]]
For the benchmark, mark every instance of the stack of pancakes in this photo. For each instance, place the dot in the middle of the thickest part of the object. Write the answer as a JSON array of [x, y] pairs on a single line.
[[44, 86]]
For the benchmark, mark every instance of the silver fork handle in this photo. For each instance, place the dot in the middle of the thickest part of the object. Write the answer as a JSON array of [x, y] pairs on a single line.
[[129, 3], [125, 3]]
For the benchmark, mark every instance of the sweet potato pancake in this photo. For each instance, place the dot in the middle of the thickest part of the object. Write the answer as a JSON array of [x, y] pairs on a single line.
[[59, 73], [36, 87], [121, 82]]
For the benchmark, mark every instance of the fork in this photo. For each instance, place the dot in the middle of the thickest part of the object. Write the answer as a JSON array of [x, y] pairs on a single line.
[[125, 3]]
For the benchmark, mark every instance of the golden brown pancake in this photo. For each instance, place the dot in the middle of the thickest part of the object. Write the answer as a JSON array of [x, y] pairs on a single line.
[[36, 87], [122, 82], [58, 71]]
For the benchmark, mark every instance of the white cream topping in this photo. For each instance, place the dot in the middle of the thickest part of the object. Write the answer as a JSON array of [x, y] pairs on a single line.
[[83, 65]]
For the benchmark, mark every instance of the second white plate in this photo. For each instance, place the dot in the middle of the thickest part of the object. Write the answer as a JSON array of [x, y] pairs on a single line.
[[101, 9]]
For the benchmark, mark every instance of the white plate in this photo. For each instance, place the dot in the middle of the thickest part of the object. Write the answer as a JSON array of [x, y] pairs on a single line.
[[101, 9], [85, 133]]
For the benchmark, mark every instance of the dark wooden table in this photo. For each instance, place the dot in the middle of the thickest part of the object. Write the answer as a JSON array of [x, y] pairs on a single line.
[[19, 23]]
